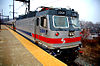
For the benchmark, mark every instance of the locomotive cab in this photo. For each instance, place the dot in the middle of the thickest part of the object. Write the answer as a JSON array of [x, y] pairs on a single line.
[[58, 28]]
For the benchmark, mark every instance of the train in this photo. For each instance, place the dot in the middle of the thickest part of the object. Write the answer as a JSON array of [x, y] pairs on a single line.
[[55, 29]]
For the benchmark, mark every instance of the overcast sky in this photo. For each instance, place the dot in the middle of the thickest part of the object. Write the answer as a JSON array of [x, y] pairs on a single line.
[[88, 9]]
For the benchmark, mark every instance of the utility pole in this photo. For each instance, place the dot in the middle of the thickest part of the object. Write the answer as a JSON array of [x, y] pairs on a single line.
[[2, 16], [13, 10], [28, 5], [0, 20]]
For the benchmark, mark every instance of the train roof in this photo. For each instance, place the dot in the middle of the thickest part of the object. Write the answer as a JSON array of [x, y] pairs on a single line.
[[61, 12], [28, 15], [56, 11], [50, 11]]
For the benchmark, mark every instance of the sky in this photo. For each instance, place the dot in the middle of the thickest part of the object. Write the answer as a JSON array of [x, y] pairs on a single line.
[[88, 9]]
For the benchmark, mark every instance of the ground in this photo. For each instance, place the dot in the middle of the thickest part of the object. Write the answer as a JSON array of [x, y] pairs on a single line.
[[13, 53]]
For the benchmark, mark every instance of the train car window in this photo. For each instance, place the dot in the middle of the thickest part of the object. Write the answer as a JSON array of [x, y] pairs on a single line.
[[37, 21], [43, 22]]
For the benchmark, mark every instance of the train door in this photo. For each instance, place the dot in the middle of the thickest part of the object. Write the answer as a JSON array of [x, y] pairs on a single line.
[[43, 26], [36, 35]]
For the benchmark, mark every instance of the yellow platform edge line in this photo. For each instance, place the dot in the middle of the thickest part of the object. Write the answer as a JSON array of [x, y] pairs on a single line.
[[42, 56]]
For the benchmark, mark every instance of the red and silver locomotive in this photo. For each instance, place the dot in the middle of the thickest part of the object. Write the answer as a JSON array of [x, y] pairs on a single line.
[[55, 29]]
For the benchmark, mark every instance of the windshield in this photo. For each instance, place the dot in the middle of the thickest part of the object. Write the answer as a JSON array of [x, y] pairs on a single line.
[[75, 22], [60, 22]]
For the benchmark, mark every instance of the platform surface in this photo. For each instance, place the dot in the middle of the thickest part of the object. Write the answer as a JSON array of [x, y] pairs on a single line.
[[13, 53]]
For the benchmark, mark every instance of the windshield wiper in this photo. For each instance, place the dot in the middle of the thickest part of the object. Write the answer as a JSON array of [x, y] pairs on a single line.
[[74, 25]]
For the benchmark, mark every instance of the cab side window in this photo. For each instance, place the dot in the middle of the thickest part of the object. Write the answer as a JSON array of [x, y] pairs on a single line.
[[37, 21], [44, 22]]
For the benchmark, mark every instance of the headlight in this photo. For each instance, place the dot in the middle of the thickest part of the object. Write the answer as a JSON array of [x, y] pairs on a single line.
[[71, 34]]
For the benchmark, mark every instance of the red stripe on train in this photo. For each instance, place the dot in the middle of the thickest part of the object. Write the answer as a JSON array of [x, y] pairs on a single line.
[[56, 40], [50, 40], [69, 40]]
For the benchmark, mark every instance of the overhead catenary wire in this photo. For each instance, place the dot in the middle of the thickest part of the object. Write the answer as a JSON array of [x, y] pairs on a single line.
[[44, 2], [20, 7]]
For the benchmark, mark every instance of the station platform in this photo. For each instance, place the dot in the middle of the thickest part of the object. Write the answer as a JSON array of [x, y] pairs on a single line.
[[15, 50]]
